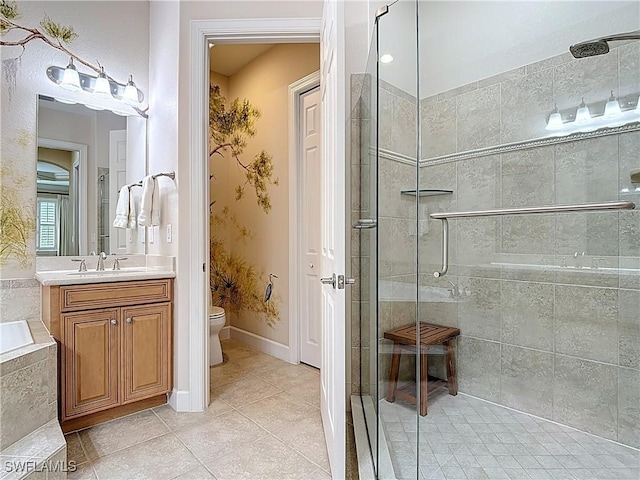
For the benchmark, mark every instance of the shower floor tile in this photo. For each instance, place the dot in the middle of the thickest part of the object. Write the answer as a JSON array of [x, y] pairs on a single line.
[[465, 438]]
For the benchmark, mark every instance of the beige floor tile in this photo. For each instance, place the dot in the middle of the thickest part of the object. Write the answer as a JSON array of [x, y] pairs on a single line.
[[199, 473], [235, 350], [161, 458], [306, 436], [290, 376], [267, 458], [121, 433], [278, 412], [208, 440], [177, 420], [308, 391], [259, 363], [75, 453], [227, 373], [83, 472], [246, 390]]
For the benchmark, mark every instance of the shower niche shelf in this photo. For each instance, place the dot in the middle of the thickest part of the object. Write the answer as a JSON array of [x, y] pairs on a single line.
[[426, 192]]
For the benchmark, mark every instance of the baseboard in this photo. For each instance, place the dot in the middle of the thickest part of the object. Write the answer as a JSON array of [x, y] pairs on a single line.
[[225, 333], [265, 345], [180, 400]]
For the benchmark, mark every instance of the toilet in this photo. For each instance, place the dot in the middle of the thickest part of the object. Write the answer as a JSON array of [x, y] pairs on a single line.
[[216, 322]]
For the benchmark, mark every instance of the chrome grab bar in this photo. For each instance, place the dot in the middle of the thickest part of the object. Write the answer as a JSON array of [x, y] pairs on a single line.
[[583, 207]]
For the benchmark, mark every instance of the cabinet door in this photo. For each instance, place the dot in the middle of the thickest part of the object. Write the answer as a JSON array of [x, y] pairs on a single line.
[[146, 351], [90, 361]]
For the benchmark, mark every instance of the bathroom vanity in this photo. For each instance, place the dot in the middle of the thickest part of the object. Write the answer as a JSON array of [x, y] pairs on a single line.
[[115, 341]]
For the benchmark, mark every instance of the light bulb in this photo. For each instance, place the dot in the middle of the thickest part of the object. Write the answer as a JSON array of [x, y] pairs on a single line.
[[130, 95], [102, 88], [386, 58], [70, 78], [555, 120], [583, 115], [612, 107]]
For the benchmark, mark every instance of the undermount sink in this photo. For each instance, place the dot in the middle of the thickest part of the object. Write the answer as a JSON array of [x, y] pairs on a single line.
[[109, 272]]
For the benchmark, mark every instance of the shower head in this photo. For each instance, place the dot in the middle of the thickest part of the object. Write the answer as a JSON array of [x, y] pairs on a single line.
[[600, 46]]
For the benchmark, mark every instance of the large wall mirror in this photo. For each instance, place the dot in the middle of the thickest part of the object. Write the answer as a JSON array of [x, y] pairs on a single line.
[[84, 157]]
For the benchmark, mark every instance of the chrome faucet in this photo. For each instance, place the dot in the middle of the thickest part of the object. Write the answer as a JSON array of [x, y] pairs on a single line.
[[455, 289], [116, 262], [101, 258]]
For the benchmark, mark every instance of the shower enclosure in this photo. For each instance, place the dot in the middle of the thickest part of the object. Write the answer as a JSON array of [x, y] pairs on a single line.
[[499, 176]]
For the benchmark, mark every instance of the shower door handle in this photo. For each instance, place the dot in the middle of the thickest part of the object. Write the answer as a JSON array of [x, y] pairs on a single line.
[[342, 281], [329, 280]]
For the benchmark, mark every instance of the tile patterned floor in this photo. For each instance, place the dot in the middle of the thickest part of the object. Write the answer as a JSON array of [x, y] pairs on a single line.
[[466, 438], [263, 423]]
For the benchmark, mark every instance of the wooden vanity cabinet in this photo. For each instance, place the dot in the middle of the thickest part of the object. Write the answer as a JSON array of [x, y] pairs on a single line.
[[116, 347]]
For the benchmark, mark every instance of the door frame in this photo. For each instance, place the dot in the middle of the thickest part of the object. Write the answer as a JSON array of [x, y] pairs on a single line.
[[83, 173], [296, 90], [250, 30]]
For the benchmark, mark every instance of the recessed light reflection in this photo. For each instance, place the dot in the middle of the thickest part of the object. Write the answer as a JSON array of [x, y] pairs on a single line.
[[386, 58]]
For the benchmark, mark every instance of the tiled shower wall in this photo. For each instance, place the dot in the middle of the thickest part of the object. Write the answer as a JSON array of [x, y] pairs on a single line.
[[559, 342]]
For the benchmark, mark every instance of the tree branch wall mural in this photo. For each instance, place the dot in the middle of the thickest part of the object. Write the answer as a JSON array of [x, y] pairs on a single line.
[[235, 283]]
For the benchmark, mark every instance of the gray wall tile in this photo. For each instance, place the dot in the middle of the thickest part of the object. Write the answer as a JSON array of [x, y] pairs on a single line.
[[525, 379], [629, 329], [479, 183], [594, 233], [526, 103], [478, 115], [438, 128], [593, 78], [479, 368], [528, 177], [587, 171], [479, 315], [629, 407], [587, 322], [585, 396], [527, 314], [629, 59], [528, 234]]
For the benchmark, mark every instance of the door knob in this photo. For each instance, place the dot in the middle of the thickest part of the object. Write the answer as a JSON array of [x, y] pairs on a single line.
[[114, 321], [311, 265], [128, 319], [329, 280]]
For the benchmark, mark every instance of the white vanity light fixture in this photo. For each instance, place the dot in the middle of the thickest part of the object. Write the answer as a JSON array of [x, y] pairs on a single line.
[[555, 120], [130, 94], [100, 86], [70, 78], [612, 107], [582, 114], [386, 58]]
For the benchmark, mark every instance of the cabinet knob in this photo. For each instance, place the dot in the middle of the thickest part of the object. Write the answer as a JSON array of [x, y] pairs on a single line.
[[128, 319], [114, 321]]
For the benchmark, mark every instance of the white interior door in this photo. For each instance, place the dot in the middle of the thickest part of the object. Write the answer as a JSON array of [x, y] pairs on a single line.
[[310, 166], [117, 178], [332, 369]]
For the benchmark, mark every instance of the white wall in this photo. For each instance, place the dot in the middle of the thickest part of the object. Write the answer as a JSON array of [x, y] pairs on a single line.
[[465, 41]]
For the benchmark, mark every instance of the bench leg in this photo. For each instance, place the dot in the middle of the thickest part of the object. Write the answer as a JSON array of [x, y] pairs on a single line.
[[424, 394], [452, 376], [394, 373]]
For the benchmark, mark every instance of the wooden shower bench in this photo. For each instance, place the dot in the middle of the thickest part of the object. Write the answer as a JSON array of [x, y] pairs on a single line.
[[404, 338]]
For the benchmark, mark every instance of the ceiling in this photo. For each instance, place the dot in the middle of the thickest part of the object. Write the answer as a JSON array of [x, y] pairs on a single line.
[[228, 59]]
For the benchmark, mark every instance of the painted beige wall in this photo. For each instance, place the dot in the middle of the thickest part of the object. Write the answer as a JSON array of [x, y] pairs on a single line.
[[61, 158], [264, 82]]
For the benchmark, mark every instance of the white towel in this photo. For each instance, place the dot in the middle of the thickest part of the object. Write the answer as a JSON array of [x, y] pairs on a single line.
[[133, 217], [123, 208], [150, 205]]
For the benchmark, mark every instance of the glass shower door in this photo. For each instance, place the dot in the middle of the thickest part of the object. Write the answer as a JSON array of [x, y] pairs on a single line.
[[547, 304]]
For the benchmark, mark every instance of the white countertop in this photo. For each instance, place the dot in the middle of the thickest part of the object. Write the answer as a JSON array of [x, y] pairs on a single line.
[[127, 274]]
